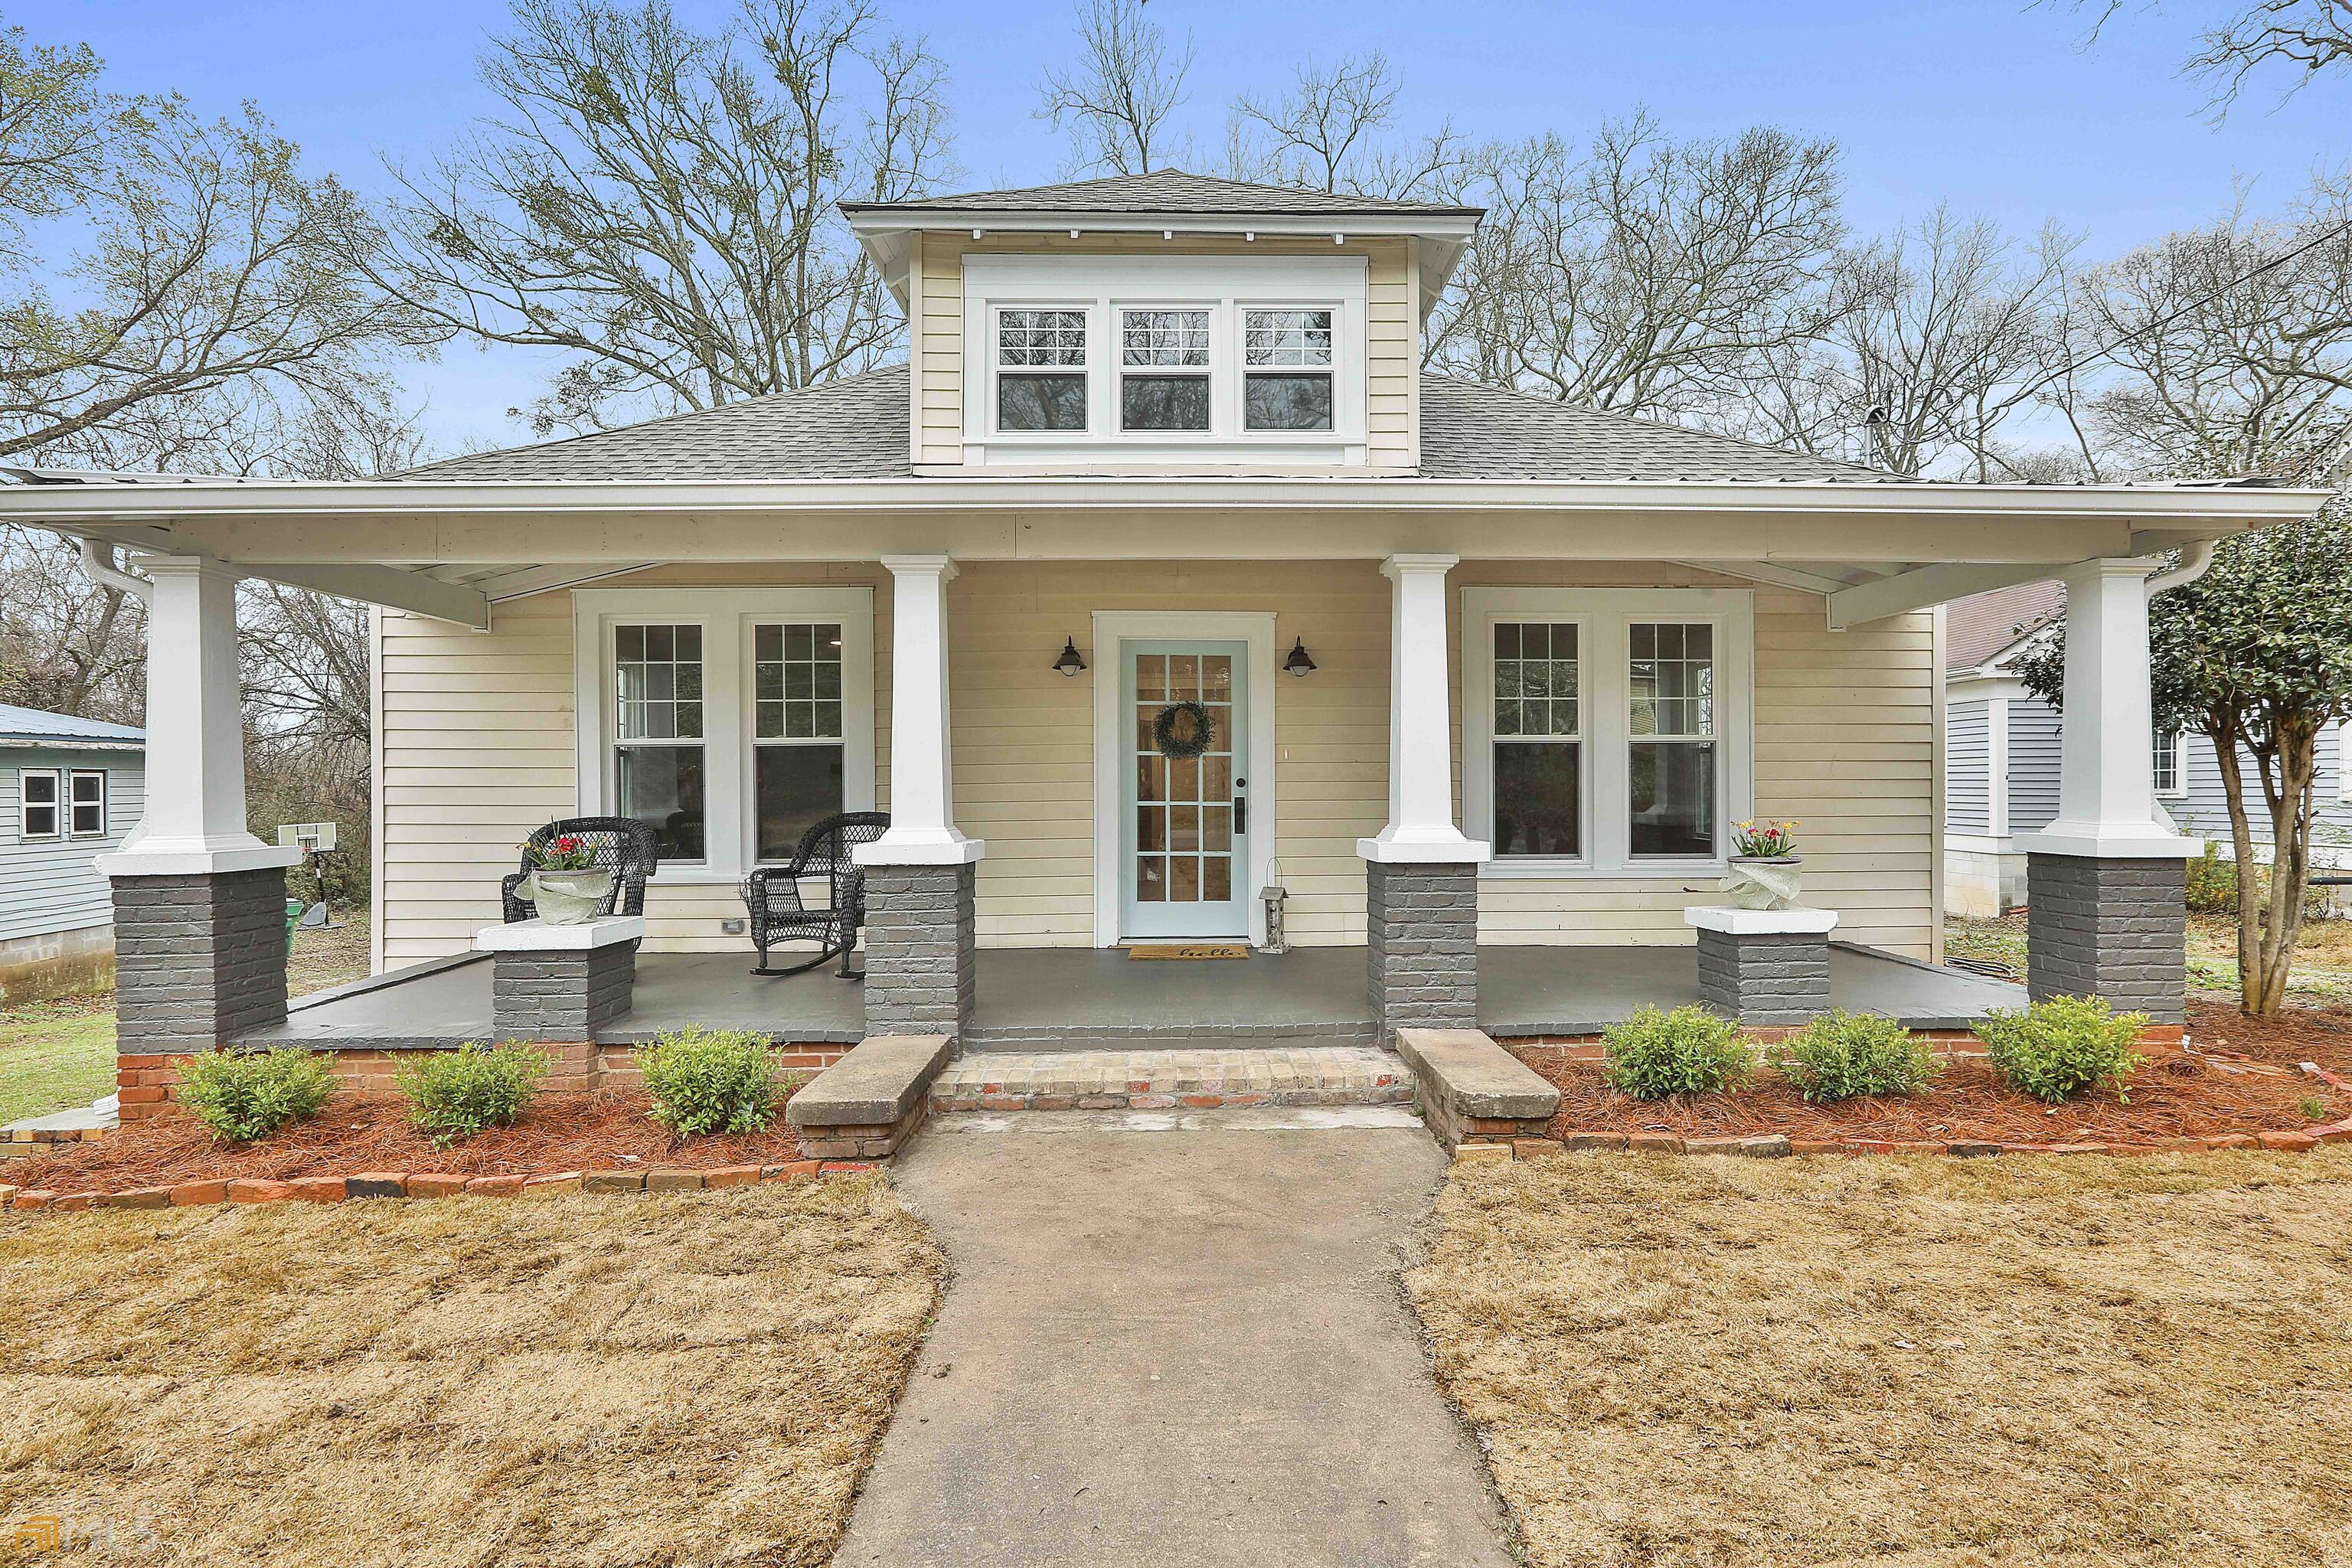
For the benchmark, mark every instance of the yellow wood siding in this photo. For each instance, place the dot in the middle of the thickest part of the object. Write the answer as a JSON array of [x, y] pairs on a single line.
[[477, 750], [1393, 325]]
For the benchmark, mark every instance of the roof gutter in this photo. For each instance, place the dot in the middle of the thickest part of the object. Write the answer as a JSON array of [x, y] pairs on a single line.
[[98, 566], [2195, 561]]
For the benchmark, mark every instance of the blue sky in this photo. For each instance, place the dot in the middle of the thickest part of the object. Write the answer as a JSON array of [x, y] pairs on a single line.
[[1992, 105]]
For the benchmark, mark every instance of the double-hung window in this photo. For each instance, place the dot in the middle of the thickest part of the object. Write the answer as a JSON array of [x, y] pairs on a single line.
[[1287, 370], [1163, 374], [1041, 369], [86, 803], [39, 812], [796, 732], [658, 773], [730, 721], [1606, 731]]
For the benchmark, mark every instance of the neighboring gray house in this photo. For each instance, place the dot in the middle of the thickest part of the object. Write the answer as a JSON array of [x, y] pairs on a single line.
[[2000, 761], [70, 790]]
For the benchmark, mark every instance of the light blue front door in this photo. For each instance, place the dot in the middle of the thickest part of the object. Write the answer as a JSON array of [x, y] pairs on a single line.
[[1184, 860]]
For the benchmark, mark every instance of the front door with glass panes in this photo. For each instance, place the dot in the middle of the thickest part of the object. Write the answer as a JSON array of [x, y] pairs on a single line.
[[1184, 801]]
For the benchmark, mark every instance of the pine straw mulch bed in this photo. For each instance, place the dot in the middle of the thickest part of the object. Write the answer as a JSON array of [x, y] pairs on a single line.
[[2031, 1363], [2322, 1036], [687, 1378], [2177, 1094], [358, 1132]]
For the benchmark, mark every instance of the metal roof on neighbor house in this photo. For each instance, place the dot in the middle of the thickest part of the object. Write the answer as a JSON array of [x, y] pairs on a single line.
[[1169, 191], [857, 427], [34, 727]]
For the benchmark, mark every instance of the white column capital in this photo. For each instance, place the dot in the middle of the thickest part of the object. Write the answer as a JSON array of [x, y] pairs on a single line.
[[943, 567], [1397, 566]]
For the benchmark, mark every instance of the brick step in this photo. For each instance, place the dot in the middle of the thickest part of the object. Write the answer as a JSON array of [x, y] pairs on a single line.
[[1170, 1079], [1164, 1037]]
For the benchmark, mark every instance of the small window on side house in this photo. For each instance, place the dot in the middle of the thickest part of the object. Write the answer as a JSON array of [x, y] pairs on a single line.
[[657, 761], [1287, 370], [2171, 762], [39, 813], [86, 803], [1041, 376]]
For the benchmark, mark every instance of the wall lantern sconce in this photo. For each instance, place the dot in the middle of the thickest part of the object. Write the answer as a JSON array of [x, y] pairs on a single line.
[[1070, 663], [1298, 664]]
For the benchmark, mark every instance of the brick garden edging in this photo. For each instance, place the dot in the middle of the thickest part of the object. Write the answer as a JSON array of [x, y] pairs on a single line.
[[424, 1185]]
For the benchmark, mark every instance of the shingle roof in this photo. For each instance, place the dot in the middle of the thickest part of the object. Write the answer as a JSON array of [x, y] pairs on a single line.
[[26, 725], [856, 429], [1165, 190], [1982, 624]]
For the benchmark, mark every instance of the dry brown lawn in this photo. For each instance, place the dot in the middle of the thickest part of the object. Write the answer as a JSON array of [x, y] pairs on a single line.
[[694, 1378], [1905, 1363]]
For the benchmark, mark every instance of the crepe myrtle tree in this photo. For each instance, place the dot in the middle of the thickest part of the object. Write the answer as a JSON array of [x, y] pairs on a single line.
[[2255, 655]]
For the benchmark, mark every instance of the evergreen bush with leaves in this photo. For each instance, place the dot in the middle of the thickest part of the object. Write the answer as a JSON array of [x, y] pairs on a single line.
[[455, 1094], [705, 1081], [1841, 1055], [245, 1095], [2064, 1047], [1690, 1050]]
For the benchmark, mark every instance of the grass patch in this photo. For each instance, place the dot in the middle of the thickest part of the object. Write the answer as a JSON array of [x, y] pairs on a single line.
[[2068, 1362], [690, 1379], [55, 1056]]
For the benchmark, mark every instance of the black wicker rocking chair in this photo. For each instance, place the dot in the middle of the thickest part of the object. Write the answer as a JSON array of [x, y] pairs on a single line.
[[773, 893], [620, 845]]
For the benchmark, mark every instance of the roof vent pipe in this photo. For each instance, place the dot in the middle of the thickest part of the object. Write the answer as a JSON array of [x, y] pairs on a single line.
[[2193, 563], [98, 566]]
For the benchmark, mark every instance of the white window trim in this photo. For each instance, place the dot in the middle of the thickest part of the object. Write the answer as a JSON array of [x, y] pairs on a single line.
[[1114, 753], [1104, 286], [24, 808], [727, 616], [1601, 617], [2180, 766], [74, 777]]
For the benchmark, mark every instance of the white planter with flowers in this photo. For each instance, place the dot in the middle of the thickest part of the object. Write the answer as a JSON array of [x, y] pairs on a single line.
[[1764, 870], [564, 884]]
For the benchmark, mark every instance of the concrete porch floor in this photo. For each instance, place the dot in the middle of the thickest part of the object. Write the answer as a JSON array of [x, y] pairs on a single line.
[[1034, 998]]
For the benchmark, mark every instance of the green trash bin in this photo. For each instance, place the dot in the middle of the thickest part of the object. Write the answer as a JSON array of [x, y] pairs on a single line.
[[294, 908]]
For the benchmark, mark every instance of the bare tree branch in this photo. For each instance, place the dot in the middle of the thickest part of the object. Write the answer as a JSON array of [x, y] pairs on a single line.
[[1114, 103]]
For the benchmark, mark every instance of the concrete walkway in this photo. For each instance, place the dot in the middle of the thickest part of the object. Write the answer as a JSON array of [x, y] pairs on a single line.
[[1174, 1340]]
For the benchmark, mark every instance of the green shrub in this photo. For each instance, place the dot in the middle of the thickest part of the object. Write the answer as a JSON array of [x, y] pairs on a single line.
[[1687, 1051], [245, 1095], [1841, 1055], [2066, 1046], [2213, 883], [710, 1081], [455, 1094]]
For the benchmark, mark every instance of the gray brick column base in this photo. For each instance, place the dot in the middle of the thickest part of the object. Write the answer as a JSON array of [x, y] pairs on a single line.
[[1421, 944], [1765, 978], [561, 995], [198, 960], [2117, 928], [919, 950]]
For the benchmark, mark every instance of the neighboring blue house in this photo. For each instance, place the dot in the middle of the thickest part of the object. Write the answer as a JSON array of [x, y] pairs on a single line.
[[2000, 761], [70, 790]]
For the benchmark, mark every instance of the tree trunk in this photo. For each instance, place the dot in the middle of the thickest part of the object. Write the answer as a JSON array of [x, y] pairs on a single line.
[[2291, 806], [2226, 754]]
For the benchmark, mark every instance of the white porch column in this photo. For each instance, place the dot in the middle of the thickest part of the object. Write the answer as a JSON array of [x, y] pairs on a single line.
[[1421, 723], [193, 822], [2105, 895], [2106, 777], [1420, 874], [923, 775], [199, 902], [921, 932]]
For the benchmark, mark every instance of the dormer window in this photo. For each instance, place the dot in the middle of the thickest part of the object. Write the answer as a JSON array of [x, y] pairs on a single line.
[[1163, 383], [1041, 378], [1287, 368]]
